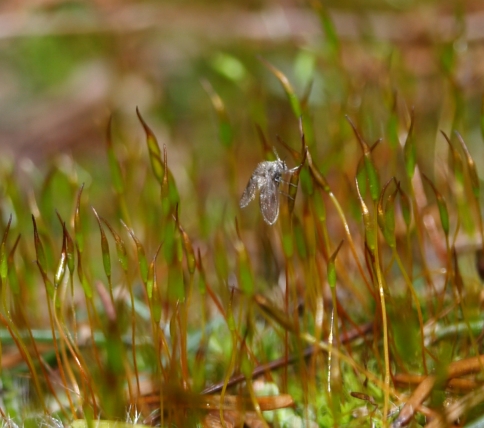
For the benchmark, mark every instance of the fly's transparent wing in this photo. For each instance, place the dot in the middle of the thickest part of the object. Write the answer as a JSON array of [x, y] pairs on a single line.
[[249, 192], [269, 202]]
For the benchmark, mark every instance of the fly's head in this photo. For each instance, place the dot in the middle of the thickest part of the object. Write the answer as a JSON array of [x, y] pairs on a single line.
[[276, 170]]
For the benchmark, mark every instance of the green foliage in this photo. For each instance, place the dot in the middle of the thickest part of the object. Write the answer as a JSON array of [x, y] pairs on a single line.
[[360, 290]]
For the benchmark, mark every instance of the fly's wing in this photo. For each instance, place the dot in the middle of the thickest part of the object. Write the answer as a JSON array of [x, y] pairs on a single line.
[[249, 192], [269, 202]]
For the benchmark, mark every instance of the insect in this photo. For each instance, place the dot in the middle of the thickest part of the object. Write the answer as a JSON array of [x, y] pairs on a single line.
[[266, 178]]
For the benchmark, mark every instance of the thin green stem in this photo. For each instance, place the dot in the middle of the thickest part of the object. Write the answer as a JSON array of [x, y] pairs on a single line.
[[386, 354]]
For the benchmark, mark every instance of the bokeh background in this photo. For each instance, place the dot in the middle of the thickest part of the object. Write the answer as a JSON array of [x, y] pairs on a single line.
[[66, 66]]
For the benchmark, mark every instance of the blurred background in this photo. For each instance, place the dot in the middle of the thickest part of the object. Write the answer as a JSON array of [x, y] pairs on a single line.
[[66, 66]]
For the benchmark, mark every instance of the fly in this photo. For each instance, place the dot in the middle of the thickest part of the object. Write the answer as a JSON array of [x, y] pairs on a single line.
[[266, 178]]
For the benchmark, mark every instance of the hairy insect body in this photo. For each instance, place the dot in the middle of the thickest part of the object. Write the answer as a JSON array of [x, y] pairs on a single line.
[[266, 178]]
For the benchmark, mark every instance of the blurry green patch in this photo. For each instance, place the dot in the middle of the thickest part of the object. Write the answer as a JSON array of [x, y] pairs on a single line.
[[45, 62], [229, 66], [406, 333], [304, 67]]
